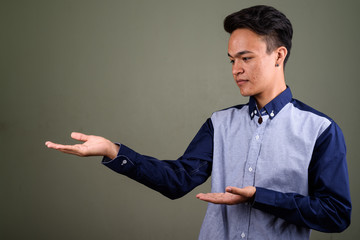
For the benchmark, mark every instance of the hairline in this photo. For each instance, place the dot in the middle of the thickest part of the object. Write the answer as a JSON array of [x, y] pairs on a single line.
[[269, 39]]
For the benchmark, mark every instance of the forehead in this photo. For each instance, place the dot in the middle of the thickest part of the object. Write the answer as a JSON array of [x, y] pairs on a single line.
[[246, 40]]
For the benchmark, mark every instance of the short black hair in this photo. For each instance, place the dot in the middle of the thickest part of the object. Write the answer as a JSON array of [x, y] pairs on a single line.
[[265, 21]]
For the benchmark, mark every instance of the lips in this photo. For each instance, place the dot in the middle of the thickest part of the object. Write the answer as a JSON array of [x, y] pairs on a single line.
[[241, 81]]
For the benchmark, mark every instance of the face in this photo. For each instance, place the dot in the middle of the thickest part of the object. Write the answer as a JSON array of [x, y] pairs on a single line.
[[253, 68]]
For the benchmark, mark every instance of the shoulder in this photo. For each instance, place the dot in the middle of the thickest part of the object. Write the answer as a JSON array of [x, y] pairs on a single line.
[[227, 112], [230, 115], [307, 109], [231, 109], [307, 114]]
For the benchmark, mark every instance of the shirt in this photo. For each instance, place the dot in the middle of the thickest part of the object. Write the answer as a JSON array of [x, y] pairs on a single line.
[[295, 157]]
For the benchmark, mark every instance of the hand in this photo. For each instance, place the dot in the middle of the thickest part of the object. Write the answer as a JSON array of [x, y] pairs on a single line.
[[92, 146], [232, 195]]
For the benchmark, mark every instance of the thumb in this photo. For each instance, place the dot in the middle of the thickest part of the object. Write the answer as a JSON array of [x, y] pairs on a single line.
[[79, 136], [234, 190], [246, 191]]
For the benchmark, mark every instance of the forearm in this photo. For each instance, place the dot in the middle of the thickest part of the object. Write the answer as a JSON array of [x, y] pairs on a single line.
[[326, 213], [171, 178]]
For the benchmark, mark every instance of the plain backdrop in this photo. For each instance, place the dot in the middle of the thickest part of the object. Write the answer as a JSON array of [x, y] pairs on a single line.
[[146, 74]]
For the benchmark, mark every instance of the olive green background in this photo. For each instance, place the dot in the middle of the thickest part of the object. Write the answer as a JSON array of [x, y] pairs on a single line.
[[147, 74]]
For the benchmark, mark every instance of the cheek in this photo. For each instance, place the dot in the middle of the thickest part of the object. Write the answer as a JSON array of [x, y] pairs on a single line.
[[262, 71], [268, 65], [255, 73]]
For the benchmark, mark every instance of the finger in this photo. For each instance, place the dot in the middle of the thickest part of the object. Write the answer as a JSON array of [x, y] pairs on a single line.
[[199, 195], [211, 197], [70, 149], [72, 152], [61, 146], [52, 145], [202, 196], [79, 136]]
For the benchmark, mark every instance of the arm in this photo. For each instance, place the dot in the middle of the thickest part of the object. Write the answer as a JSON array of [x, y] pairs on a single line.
[[171, 178], [328, 206]]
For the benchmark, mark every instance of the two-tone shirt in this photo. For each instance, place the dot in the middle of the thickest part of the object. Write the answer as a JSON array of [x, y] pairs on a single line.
[[294, 155]]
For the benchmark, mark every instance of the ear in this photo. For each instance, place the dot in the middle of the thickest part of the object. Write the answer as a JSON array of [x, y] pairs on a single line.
[[281, 53]]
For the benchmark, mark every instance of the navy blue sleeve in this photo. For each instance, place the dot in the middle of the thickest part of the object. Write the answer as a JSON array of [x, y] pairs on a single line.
[[172, 178], [328, 206]]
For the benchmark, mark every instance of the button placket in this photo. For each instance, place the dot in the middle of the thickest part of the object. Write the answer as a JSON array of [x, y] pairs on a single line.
[[253, 154]]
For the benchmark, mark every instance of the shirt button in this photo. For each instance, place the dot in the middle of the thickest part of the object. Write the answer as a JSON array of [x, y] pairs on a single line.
[[255, 112], [250, 169], [272, 114], [243, 235], [124, 162], [257, 137]]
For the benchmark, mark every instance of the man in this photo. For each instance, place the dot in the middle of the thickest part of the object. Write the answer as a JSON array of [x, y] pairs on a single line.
[[281, 163]]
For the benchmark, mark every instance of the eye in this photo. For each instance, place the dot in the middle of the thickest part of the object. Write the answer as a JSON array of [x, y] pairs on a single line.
[[246, 59], [232, 61]]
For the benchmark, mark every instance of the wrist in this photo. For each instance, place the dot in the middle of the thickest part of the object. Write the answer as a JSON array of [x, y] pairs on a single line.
[[113, 150]]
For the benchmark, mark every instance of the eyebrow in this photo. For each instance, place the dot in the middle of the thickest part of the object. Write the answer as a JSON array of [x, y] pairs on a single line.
[[238, 54]]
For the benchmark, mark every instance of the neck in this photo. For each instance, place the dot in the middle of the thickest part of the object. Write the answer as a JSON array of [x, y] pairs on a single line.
[[265, 98]]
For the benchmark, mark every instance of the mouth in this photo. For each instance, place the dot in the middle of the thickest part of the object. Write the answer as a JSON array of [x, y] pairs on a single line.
[[240, 82]]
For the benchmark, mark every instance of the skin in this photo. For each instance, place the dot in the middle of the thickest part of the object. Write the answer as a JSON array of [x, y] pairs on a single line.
[[255, 72], [92, 146], [254, 69]]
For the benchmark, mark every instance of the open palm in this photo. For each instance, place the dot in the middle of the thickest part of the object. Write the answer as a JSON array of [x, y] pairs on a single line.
[[91, 146]]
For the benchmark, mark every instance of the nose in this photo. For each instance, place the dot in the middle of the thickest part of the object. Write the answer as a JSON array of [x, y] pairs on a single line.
[[237, 68]]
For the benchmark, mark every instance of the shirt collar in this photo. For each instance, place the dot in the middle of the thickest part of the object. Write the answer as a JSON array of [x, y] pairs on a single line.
[[273, 107]]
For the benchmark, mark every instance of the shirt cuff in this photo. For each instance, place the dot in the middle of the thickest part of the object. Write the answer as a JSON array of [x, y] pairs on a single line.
[[264, 197], [123, 162]]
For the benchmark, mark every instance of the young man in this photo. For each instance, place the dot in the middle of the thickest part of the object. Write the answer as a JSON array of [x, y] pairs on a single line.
[[281, 163]]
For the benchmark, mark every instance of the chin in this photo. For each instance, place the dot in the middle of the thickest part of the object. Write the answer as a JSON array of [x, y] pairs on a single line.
[[245, 93]]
